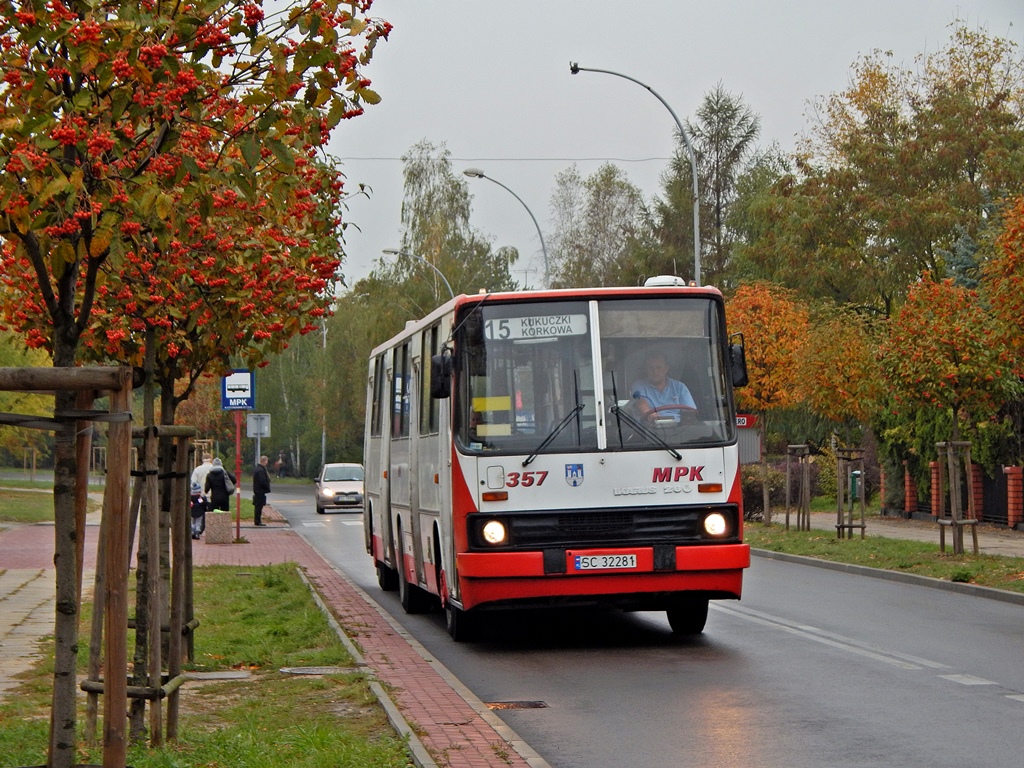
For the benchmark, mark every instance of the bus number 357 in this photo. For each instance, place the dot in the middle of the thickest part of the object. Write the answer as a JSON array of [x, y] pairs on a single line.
[[525, 479]]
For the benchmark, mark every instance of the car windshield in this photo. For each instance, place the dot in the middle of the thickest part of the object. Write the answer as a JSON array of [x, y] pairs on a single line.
[[610, 374], [338, 474], [529, 366], [662, 364]]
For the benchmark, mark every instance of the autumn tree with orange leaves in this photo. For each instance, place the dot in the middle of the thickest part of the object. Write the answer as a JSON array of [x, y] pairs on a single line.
[[945, 352], [1004, 282], [774, 325], [839, 376], [165, 184]]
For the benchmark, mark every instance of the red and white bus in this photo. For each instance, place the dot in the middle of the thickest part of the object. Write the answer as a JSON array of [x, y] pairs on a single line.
[[514, 459]]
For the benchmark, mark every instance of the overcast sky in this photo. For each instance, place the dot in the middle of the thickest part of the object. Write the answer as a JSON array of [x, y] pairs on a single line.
[[490, 80]]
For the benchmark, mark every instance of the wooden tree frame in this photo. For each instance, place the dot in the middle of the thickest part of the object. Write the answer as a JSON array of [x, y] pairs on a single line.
[[109, 633]]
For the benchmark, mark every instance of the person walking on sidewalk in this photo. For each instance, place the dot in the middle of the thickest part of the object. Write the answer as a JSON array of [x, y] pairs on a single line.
[[198, 510], [260, 489], [220, 484], [199, 473]]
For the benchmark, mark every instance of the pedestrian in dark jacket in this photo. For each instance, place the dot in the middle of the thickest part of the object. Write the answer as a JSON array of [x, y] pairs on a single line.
[[220, 484], [198, 511], [260, 489]]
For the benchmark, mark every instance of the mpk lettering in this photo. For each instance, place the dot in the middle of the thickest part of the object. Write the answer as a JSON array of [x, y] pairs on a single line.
[[668, 475]]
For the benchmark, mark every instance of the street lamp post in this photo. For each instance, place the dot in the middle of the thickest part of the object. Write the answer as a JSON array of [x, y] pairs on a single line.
[[575, 68], [323, 405], [476, 173], [396, 252]]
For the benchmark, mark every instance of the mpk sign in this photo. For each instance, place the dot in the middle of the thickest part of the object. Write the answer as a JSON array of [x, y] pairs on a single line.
[[238, 391]]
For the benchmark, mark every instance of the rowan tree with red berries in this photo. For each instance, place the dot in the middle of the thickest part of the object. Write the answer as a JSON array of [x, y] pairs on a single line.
[[165, 178]]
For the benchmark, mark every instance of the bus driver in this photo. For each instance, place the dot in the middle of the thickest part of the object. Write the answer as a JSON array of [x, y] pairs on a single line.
[[659, 394]]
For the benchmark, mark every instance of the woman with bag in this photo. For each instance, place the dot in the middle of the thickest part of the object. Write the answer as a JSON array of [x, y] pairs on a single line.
[[220, 484]]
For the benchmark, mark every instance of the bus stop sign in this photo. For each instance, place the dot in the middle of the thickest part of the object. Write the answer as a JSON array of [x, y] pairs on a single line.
[[238, 391]]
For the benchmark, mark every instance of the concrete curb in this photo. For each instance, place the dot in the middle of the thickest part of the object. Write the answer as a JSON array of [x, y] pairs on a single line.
[[504, 731], [420, 756], [904, 578]]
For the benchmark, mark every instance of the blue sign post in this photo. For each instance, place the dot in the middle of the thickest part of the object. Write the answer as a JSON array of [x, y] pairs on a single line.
[[238, 394], [238, 391]]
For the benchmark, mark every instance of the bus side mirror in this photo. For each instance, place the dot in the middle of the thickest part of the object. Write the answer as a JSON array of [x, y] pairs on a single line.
[[440, 376], [738, 360]]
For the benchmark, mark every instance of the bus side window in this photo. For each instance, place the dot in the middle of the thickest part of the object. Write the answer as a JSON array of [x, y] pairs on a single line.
[[400, 385]]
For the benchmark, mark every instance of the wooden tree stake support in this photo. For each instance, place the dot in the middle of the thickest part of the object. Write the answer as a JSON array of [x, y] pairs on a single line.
[[798, 457], [849, 467], [954, 465]]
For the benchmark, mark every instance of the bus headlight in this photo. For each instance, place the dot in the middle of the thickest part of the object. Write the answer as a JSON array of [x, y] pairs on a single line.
[[715, 524], [494, 532]]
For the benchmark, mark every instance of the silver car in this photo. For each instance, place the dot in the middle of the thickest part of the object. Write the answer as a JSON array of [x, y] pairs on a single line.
[[339, 486]]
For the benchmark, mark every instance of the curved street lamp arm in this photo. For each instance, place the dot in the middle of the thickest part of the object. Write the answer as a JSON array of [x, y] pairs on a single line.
[[543, 248], [575, 68], [476, 173], [396, 252]]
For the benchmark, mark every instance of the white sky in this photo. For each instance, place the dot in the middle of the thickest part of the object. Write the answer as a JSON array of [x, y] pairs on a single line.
[[490, 80]]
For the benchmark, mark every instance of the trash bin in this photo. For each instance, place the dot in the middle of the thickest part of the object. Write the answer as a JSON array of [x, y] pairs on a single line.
[[855, 483]]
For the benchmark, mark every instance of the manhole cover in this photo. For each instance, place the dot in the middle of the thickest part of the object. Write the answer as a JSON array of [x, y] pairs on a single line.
[[515, 704], [318, 670]]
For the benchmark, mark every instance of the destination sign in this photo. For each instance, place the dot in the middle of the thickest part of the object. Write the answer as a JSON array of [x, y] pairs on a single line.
[[536, 327]]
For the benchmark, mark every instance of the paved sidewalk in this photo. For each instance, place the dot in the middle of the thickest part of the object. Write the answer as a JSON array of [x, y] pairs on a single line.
[[455, 728], [992, 540]]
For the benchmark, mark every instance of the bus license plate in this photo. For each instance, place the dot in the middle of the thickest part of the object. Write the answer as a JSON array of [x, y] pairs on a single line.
[[603, 562]]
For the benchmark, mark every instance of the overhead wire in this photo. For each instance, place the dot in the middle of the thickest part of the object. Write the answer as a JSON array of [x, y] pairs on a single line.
[[529, 159]]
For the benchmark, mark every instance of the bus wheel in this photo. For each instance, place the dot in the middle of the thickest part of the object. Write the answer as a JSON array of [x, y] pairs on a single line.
[[458, 623], [687, 617], [387, 578], [413, 599]]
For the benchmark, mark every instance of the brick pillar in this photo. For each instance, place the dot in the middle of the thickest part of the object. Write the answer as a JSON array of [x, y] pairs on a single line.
[[1014, 495], [909, 492], [882, 487], [936, 474], [979, 491]]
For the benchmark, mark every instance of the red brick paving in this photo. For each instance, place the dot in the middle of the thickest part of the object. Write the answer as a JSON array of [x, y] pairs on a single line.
[[455, 734]]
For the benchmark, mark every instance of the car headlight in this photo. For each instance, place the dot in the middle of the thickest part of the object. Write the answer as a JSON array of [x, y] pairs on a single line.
[[715, 524], [327, 492], [494, 532]]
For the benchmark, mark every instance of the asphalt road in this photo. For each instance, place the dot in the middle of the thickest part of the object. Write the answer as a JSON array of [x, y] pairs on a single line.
[[812, 668]]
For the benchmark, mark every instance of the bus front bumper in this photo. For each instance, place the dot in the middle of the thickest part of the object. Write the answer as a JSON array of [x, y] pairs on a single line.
[[558, 576]]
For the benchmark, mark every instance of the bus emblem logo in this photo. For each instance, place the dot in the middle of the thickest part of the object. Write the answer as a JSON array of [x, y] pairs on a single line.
[[574, 474]]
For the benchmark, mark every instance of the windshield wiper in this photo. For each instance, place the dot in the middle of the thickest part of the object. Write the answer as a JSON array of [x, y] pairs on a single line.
[[643, 430], [554, 433], [622, 416]]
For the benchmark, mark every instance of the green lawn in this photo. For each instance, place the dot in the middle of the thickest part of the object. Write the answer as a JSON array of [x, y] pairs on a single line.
[[259, 619], [902, 555], [28, 506]]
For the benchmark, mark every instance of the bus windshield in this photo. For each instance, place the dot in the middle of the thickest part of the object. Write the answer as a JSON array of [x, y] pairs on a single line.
[[620, 373]]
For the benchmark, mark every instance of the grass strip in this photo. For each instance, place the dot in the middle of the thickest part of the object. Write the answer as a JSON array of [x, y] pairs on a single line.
[[257, 619], [904, 555]]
